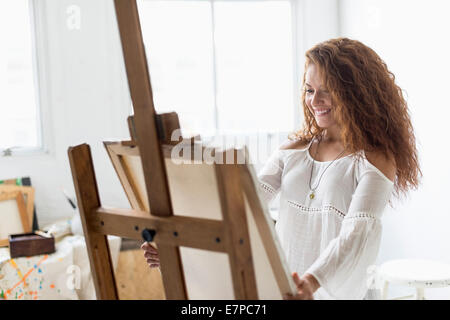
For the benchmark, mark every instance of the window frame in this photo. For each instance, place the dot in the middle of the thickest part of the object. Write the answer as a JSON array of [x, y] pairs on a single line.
[[37, 39], [297, 46], [42, 90]]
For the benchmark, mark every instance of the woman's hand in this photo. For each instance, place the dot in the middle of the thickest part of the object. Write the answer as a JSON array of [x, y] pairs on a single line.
[[151, 254], [306, 286]]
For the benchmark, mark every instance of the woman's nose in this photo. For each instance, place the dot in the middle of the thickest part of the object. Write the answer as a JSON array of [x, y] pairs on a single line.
[[316, 100]]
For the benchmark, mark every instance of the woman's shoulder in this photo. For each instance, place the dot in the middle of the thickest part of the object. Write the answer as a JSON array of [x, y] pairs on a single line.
[[294, 144], [382, 162]]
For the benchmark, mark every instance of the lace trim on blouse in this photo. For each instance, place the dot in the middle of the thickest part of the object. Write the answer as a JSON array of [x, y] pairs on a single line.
[[359, 215], [267, 187], [325, 208]]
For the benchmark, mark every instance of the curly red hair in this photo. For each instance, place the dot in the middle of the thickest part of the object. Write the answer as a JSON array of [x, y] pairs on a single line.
[[369, 107]]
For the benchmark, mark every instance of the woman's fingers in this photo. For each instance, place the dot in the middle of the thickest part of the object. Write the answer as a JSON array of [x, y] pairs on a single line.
[[152, 260], [151, 255], [303, 290], [148, 247], [156, 259], [298, 282], [153, 263]]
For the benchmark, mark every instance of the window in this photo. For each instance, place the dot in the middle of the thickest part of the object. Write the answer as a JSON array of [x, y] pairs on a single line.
[[19, 113], [226, 67]]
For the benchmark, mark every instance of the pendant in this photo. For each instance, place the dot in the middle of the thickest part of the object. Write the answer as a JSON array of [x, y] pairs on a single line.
[[311, 196]]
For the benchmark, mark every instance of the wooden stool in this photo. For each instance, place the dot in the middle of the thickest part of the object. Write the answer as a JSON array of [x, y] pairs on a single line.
[[419, 274]]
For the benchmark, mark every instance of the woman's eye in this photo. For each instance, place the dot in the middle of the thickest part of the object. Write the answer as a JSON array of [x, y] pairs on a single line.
[[309, 91]]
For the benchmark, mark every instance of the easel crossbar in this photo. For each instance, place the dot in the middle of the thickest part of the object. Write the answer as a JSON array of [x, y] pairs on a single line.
[[183, 231]]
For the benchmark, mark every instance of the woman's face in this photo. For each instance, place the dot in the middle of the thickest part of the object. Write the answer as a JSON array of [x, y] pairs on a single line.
[[318, 99]]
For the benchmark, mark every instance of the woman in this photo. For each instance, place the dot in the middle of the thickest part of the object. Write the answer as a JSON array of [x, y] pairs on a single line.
[[336, 175]]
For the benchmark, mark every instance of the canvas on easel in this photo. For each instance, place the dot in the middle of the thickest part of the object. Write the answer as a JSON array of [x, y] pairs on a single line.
[[194, 193]]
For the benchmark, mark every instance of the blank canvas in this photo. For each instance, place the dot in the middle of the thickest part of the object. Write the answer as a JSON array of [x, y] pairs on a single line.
[[10, 221]]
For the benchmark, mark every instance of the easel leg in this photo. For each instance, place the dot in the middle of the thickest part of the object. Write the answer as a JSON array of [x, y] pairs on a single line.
[[88, 201], [233, 211], [172, 273]]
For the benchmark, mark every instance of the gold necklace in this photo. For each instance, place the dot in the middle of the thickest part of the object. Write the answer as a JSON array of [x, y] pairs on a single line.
[[312, 194]]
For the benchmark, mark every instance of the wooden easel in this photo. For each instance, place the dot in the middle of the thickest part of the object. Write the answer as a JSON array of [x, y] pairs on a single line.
[[150, 134]]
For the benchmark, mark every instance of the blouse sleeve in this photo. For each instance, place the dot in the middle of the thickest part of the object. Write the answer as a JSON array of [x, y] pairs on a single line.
[[342, 268], [270, 176]]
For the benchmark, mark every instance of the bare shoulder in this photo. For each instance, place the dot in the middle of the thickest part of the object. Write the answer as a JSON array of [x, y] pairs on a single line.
[[293, 144], [384, 163]]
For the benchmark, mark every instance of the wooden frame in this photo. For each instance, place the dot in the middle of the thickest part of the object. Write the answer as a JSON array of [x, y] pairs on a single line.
[[116, 151], [150, 140], [119, 153], [21, 211], [28, 193]]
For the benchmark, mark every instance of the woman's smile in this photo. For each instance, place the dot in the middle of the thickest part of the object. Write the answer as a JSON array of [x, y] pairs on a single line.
[[320, 112]]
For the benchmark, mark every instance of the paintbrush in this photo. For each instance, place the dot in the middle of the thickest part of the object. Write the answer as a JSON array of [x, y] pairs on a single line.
[[68, 198], [43, 234]]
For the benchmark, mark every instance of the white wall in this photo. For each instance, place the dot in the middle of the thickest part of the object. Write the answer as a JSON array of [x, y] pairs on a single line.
[[319, 21], [412, 37], [84, 99]]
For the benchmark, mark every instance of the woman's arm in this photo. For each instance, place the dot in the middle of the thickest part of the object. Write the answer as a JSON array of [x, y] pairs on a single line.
[[270, 174]]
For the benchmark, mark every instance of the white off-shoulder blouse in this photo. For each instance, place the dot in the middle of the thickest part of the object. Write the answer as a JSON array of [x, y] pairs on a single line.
[[336, 235]]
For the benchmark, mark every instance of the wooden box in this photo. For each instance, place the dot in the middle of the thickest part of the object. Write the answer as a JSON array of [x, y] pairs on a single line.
[[30, 244]]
